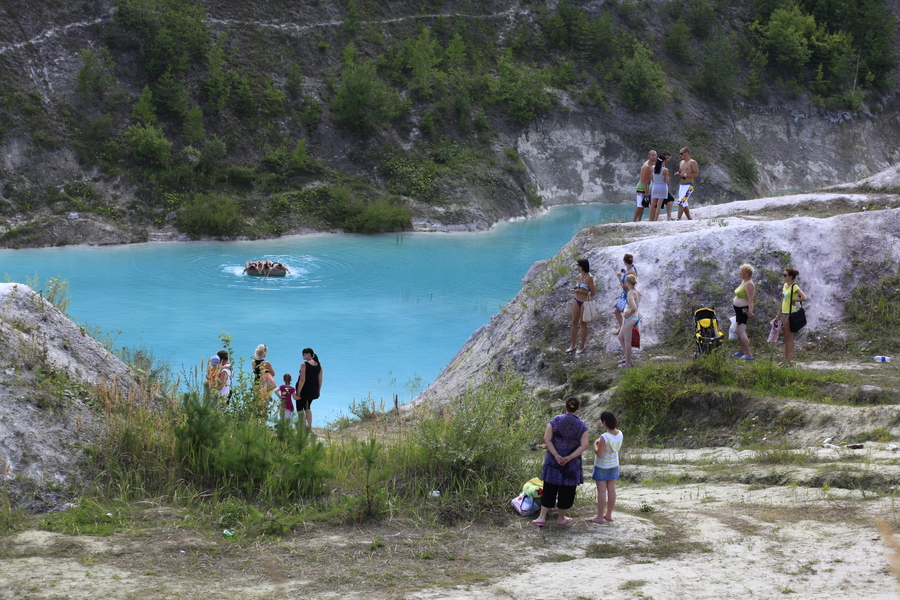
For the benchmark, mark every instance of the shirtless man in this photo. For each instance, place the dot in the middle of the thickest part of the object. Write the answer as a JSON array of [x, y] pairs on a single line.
[[642, 197], [688, 171]]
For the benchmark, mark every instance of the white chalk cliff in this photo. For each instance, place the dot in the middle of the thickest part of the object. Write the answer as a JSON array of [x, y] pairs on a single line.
[[683, 265]]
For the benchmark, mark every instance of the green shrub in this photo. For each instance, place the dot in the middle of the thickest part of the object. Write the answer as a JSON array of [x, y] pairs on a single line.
[[716, 78], [362, 102], [95, 80], [477, 441], [379, 216], [144, 110], [411, 175], [521, 91], [149, 145], [643, 85], [171, 34], [786, 36], [873, 311], [678, 42], [210, 214]]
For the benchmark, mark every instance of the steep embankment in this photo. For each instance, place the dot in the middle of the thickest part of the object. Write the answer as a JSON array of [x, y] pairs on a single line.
[[50, 371], [683, 266]]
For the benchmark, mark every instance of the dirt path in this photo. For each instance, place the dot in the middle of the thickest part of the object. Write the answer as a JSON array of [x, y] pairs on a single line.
[[704, 541]]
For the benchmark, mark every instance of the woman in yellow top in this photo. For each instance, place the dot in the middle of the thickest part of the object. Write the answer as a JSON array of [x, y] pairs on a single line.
[[743, 310], [791, 294]]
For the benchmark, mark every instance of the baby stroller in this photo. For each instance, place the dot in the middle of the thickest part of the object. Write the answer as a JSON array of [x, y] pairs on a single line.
[[706, 331]]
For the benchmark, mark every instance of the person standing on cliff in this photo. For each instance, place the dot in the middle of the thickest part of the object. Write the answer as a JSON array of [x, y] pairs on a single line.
[[642, 198], [688, 170]]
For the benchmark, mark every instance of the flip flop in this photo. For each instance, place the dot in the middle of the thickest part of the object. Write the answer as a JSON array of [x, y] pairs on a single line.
[[539, 523], [568, 521], [595, 521], [608, 519]]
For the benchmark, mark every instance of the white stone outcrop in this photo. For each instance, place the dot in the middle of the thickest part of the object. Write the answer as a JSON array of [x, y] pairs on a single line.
[[48, 365], [683, 265]]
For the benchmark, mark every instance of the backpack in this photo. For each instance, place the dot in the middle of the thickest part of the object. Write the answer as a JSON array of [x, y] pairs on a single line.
[[212, 377]]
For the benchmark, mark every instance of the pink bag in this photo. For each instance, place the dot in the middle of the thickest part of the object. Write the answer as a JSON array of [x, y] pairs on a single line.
[[775, 331]]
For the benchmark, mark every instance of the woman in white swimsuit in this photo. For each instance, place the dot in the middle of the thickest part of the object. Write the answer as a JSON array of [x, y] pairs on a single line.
[[630, 318]]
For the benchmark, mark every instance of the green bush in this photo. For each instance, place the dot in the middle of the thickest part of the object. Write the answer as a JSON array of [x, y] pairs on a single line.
[[95, 80], [643, 85], [171, 34], [678, 42], [786, 37], [411, 175], [362, 102], [716, 78], [477, 441], [210, 214], [379, 216], [149, 145], [520, 91], [873, 311]]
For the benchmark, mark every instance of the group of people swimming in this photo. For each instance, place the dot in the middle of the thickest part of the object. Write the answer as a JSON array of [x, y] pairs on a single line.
[[629, 299], [265, 266], [653, 186], [220, 377]]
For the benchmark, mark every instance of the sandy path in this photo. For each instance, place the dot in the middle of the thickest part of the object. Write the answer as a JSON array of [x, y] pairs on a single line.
[[699, 541]]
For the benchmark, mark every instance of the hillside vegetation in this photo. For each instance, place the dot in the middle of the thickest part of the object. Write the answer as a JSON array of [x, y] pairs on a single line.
[[222, 120]]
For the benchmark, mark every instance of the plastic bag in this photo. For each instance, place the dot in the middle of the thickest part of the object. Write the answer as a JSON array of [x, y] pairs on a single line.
[[775, 331], [525, 505], [732, 331]]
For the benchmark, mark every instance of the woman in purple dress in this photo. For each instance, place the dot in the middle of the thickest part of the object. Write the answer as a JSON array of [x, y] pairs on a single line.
[[567, 438]]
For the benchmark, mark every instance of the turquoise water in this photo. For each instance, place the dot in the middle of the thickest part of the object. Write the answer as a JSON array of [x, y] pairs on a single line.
[[385, 313]]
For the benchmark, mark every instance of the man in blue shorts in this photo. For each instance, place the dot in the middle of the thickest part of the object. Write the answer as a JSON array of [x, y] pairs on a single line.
[[688, 170]]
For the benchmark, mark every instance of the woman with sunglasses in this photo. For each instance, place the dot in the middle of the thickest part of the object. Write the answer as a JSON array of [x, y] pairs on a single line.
[[791, 294]]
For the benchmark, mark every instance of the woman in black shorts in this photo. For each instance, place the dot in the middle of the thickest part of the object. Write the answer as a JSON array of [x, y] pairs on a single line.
[[743, 310], [309, 383]]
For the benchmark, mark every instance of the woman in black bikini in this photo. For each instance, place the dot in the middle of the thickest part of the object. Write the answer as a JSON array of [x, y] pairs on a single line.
[[582, 289]]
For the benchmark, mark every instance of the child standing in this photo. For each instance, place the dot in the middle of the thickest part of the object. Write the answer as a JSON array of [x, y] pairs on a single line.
[[285, 392], [606, 467]]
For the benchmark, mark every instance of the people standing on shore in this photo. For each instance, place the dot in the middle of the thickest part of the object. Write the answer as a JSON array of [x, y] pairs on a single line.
[[667, 156], [642, 197], [688, 170], [743, 309], [622, 299], [630, 318], [583, 290], [263, 374], [309, 384], [659, 189], [566, 437], [791, 294], [606, 467]]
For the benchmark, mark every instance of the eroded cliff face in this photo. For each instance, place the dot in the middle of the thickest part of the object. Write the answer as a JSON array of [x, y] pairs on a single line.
[[49, 372], [682, 266], [579, 156]]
